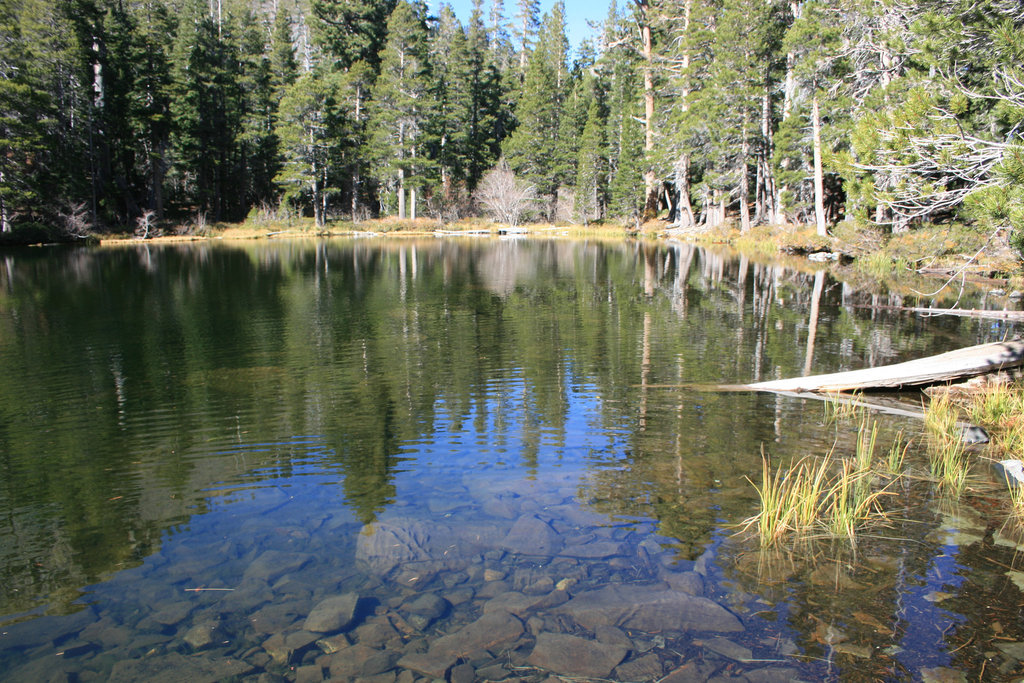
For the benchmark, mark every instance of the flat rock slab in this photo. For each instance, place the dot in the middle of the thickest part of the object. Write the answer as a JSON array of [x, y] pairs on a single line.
[[273, 564], [531, 535], [651, 609], [174, 667], [490, 632], [574, 656], [333, 614]]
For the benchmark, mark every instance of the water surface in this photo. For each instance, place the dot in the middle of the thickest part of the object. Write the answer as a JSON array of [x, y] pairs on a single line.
[[206, 447]]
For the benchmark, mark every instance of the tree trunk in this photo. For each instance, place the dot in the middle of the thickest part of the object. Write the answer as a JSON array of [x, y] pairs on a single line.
[[401, 194], [5, 219], [355, 164], [650, 178], [819, 176], [767, 195], [744, 188], [412, 202], [684, 209]]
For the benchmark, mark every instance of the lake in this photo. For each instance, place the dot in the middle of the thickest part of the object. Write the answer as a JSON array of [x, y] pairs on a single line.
[[418, 459]]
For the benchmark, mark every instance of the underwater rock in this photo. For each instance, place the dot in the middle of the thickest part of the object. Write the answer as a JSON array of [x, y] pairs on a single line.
[[492, 631], [610, 635], [282, 646], [175, 667], [646, 668], [728, 649], [382, 546], [203, 635], [273, 564], [332, 614], [574, 656], [650, 609], [690, 583], [359, 661], [429, 605], [530, 535], [376, 633], [773, 674]]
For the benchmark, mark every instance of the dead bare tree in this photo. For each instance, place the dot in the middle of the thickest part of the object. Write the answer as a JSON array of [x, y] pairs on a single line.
[[74, 220], [504, 198], [145, 224]]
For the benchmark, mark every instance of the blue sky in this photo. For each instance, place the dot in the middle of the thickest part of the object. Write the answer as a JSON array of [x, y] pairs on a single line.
[[577, 13]]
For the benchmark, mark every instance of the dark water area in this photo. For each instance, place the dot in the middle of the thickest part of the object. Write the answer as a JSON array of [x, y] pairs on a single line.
[[465, 460]]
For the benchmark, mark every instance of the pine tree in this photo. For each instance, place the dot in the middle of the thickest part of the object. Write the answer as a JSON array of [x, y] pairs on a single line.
[[533, 149], [450, 137], [591, 162], [25, 108], [351, 31], [207, 110], [308, 129], [401, 108], [284, 68], [625, 139]]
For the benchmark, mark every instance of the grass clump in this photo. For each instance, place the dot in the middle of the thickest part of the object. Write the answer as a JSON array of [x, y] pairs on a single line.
[[947, 453], [830, 496]]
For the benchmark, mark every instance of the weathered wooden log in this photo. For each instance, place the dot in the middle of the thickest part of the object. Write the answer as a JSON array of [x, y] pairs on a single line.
[[945, 367], [960, 312]]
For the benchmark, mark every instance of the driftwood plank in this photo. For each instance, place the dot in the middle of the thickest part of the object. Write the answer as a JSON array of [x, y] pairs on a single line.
[[945, 367]]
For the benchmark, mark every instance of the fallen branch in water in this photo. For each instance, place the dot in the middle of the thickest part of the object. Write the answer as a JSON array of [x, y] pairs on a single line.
[[945, 367], [963, 312]]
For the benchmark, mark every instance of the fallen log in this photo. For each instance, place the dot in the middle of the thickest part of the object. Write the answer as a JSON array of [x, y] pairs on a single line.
[[945, 367], [961, 312]]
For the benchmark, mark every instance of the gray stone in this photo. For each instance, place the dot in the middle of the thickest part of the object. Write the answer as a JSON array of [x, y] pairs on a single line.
[[173, 614], [532, 536], [333, 644], [728, 649], [520, 605], [431, 664], [691, 583], [175, 667], [649, 609], [282, 646], [203, 635], [332, 614], [574, 656], [492, 631], [489, 632], [773, 674], [598, 550], [429, 605], [360, 661], [646, 668], [311, 673], [691, 672], [462, 673], [278, 617], [273, 564], [382, 546], [609, 635]]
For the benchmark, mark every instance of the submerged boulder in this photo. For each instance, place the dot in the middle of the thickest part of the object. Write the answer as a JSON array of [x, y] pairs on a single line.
[[649, 608], [574, 656]]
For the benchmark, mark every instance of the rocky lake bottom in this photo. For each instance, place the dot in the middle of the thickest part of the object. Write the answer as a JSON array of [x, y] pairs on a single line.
[[501, 580]]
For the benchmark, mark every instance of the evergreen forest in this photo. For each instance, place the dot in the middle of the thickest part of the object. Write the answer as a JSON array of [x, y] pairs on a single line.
[[125, 113]]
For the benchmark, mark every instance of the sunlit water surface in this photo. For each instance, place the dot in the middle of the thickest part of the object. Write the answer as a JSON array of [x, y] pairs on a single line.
[[411, 460]]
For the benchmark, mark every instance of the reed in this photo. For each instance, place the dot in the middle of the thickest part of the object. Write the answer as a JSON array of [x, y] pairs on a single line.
[[867, 436], [897, 454], [947, 454], [995, 404], [840, 407], [834, 496]]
